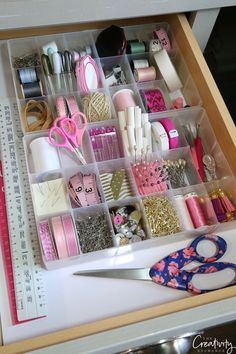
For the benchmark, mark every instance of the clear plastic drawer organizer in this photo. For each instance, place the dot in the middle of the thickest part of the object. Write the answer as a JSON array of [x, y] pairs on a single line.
[[68, 166]]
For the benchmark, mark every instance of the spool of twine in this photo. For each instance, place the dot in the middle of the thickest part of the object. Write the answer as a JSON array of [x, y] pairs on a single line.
[[97, 107]]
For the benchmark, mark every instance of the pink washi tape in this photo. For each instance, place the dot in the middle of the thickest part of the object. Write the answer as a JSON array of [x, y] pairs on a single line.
[[47, 242], [162, 35], [171, 132], [59, 237], [122, 99], [66, 106], [153, 100], [71, 239]]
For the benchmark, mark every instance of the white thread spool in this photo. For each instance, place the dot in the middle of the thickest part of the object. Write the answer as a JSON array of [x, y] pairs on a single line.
[[44, 155], [185, 216]]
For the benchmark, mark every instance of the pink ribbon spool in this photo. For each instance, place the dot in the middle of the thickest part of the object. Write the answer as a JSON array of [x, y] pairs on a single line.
[[171, 132], [122, 99], [153, 100]]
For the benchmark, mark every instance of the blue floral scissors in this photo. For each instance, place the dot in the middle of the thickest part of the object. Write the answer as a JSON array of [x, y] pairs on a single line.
[[68, 133], [169, 272]]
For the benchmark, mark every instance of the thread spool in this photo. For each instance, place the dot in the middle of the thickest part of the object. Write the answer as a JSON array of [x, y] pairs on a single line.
[[44, 155], [185, 216], [122, 99], [135, 47], [33, 89], [27, 75], [139, 64], [153, 100], [97, 107], [145, 74], [195, 210]]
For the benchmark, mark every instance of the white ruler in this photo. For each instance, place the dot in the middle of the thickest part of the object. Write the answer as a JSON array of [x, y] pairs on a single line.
[[25, 251]]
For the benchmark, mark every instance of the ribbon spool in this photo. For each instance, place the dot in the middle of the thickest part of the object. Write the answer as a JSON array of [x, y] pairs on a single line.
[[171, 132], [160, 140], [153, 100], [145, 74], [122, 99], [87, 75], [167, 70]]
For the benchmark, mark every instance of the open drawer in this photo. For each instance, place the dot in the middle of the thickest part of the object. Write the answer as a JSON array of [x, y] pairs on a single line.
[[59, 328]]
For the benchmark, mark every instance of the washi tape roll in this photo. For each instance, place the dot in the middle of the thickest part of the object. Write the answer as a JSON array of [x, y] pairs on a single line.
[[162, 35], [47, 241], [122, 99], [145, 74], [171, 132], [153, 100], [59, 237], [160, 137], [167, 70]]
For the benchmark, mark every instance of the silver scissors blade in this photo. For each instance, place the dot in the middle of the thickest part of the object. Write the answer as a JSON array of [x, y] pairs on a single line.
[[132, 274]]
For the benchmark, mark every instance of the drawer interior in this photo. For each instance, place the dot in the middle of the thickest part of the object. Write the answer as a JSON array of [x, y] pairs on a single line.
[[195, 115]]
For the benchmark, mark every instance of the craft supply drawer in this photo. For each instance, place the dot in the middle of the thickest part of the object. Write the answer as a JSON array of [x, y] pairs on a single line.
[[205, 94]]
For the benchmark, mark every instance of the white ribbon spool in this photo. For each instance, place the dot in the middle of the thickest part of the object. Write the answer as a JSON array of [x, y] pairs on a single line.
[[167, 70]]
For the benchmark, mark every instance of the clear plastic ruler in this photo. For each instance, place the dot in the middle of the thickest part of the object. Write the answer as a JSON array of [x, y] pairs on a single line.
[[25, 251]]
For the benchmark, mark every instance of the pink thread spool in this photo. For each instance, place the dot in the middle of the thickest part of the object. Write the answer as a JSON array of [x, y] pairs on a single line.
[[145, 74], [122, 99], [195, 210]]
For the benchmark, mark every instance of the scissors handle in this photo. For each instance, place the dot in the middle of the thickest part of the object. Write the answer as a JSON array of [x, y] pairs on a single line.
[[56, 131], [170, 267], [69, 129], [81, 123], [184, 280]]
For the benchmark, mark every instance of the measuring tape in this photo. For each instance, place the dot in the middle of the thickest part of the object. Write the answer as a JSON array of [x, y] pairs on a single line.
[[20, 247]]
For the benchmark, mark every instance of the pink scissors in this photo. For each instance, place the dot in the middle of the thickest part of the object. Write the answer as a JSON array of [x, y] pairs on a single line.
[[68, 133]]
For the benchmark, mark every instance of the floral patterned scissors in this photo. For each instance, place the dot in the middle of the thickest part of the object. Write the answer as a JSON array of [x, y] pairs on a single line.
[[169, 272]]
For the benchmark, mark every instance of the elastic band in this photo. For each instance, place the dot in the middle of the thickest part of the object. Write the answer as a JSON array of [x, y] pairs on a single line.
[[70, 235], [59, 237], [39, 110]]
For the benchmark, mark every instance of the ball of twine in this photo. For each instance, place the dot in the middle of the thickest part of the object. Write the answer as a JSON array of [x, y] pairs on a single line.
[[97, 107]]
